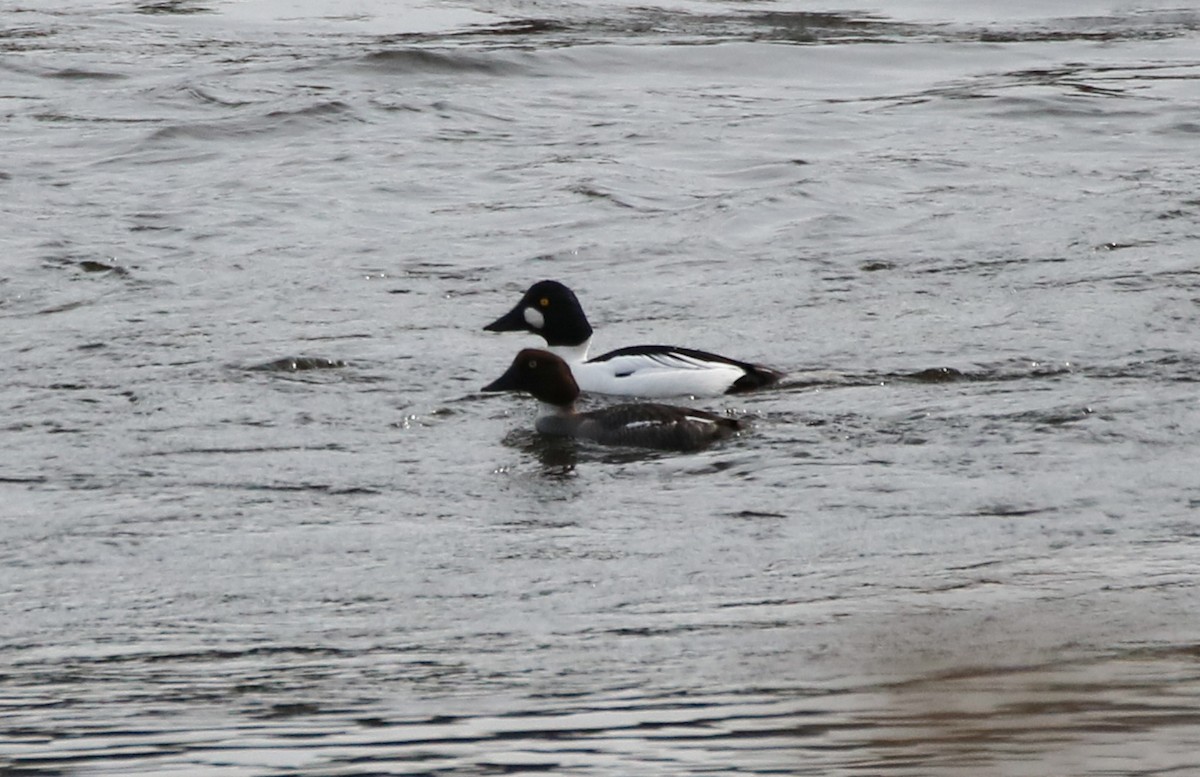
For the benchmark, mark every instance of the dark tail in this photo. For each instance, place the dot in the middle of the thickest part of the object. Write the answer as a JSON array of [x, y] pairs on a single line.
[[756, 377]]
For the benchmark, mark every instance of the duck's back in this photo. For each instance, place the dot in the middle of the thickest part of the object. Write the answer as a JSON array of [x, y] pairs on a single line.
[[645, 425]]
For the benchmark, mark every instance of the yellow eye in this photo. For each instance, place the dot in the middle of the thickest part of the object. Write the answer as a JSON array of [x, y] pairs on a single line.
[[544, 302]]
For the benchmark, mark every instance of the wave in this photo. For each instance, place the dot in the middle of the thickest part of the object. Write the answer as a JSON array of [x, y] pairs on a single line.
[[307, 117]]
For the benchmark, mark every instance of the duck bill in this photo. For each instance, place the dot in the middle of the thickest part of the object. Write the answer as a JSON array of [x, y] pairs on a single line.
[[506, 382], [512, 321]]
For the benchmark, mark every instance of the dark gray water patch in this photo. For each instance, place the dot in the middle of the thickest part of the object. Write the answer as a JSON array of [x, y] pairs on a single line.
[[197, 131], [809, 27], [1116, 245], [249, 449], [984, 266], [296, 488], [1071, 89], [1077, 79], [877, 266], [800, 27], [520, 31], [12, 36], [430, 61], [286, 710], [331, 109], [154, 222], [64, 764], [523, 28], [231, 654], [57, 117], [1047, 419], [756, 515], [302, 119], [1006, 510], [206, 96], [1176, 367], [79, 74], [1069, 80], [1020, 369], [1059, 36], [1134, 26], [804, 380], [586, 26], [28, 479], [298, 364], [591, 191], [671, 26], [93, 266], [937, 375], [171, 7], [96, 275], [1181, 128]]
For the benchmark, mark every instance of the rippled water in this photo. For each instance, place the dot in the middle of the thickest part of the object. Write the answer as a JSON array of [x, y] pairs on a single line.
[[258, 519]]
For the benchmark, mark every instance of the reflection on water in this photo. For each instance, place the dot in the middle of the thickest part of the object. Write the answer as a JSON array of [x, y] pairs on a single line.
[[1079, 718], [1103, 715], [969, 674]]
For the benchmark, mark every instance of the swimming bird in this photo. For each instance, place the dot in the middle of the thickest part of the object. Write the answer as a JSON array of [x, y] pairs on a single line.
[[648, 425], [552, 310]]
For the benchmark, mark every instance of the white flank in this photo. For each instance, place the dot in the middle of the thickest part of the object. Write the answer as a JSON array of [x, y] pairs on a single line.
[[651, 376]]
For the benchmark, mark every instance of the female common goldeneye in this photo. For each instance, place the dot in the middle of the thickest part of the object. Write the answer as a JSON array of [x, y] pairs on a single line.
[[666, 427], [551, 310]]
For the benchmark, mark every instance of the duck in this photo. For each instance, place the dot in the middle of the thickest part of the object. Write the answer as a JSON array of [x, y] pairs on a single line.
[[550, 380], [552, 310]]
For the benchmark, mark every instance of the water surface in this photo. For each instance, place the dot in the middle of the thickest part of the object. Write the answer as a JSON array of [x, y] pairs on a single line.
[[259, 520]]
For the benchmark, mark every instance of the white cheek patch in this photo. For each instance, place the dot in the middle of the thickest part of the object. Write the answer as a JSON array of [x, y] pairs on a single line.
[[534, 318]]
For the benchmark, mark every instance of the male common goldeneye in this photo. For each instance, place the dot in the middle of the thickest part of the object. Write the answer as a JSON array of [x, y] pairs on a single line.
[[666, 427], [551, 310]]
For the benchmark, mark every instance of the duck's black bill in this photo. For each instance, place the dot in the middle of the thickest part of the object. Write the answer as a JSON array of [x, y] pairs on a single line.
[[512, 321], [506, 382]]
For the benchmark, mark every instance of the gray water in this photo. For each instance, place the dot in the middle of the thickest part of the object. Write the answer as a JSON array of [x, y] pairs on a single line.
[[258, 520]]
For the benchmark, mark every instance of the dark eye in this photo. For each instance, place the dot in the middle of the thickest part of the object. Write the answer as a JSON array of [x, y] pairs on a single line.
[[533, 364]]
